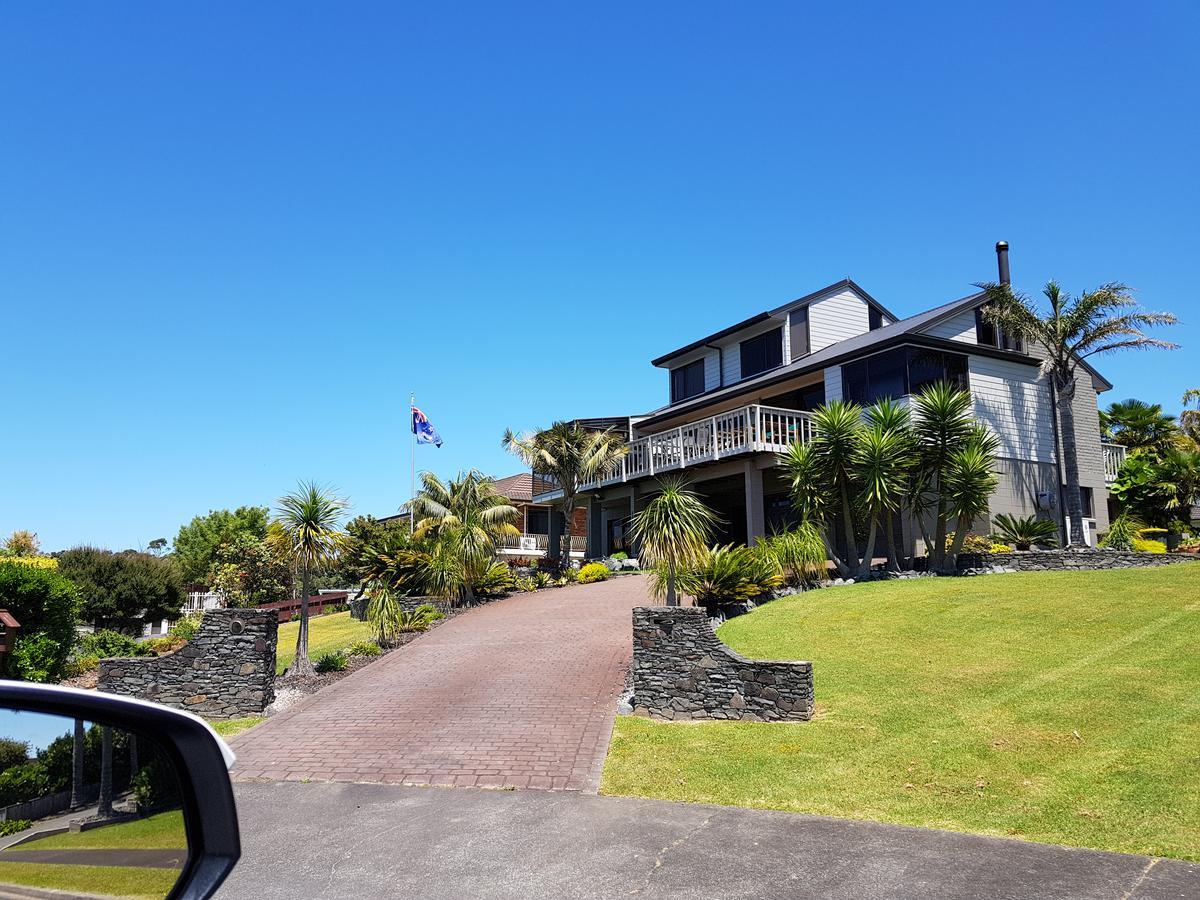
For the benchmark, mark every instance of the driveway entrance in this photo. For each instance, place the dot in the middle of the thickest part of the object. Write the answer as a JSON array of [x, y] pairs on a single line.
[[517, 693]]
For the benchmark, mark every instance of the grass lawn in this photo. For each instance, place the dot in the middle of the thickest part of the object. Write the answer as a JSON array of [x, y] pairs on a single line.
[[161, 831], [1056, 707], [230, 727], [336, 631], [110, 881]]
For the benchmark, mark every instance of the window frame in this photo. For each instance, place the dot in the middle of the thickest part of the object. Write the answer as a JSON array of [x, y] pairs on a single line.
[[767, 344], [679, 393]]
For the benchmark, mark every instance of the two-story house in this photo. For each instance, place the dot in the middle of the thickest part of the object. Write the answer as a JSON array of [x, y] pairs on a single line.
[[739, 396]]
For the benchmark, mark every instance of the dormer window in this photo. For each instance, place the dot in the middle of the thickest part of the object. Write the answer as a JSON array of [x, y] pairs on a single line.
[[762, 353], [687, 381], [989, 335], [798, 323], [874, 317]]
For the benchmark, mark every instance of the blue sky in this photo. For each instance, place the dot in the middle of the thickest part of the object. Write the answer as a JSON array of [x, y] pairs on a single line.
[[233, 240]]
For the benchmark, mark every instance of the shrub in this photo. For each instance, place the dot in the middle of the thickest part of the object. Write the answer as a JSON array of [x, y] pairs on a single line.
[[1000, 548], [593, 572], [541, 580], [1025, 532], [1146, 545], [20, 784], [188, 627], [160, 646], [972, 543], [497, 579], [525, 584], [155, 784], [429, 612], [81, 665], [1122, 532], [12, 826], [364, 648], [45, 603], [620, 555], [106, 643], [388, 617], [34, 562], [334, 661], [724, 575], [799, 553]]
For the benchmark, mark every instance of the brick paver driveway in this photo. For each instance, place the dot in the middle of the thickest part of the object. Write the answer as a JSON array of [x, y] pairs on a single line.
[[517, 693]]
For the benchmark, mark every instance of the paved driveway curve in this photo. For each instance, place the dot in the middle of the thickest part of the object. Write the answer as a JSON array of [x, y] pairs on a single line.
[[518, 693]]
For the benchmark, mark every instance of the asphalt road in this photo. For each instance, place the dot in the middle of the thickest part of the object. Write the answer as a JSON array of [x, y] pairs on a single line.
[[357, 840]]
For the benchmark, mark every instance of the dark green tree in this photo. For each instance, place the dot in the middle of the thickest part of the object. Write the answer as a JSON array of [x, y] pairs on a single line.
[[123, 590], [46, 603]]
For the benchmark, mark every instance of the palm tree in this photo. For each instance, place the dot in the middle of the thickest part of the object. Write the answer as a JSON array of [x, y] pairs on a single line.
[[942, 427], [838, 425], [1138, 425], [571, 456], [1075, 328], [1189, 419], [104, 808], [968, 483], [77, 751], [890, 461], [466, 518], [308, 530], [673, 530]]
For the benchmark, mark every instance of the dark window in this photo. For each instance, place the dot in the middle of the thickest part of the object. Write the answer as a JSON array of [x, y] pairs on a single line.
[[537, 520], [1086, 498], [875, 318], [798, 322], [905, 370], [762, 353], [985, 331], [989, 335], [687, 381]]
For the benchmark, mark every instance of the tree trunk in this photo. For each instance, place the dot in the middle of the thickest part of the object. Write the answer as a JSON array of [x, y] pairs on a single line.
[[950, 562], [564, 550], [893, 556], [838, 563], [302, 665], [1065, 389], [77, 751], [131, 743], [105, 809], [848, 525], [864, 567], [672, 600], [937, 553]]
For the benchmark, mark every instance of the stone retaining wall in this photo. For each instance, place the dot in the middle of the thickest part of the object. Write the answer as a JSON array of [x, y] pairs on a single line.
[[227, 670], [681, 670], [1066, 560]]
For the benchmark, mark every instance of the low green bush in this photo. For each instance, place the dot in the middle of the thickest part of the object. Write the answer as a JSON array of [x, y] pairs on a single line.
[[187, 627], [81, 665], [620, 555], [1121, 534], [1145, 545], [430, 612], [12, 826], [163, 645], [593, 572], [1023, 533], [364, 648], [334, 661], [106, 643]]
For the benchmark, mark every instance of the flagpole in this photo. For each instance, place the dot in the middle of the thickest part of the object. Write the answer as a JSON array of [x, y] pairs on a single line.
[[412, 456]]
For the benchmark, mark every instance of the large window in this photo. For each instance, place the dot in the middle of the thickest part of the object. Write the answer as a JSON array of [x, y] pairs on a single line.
[[874, 318], [798, 323], [762, 352], [687, 381], [905, 370]]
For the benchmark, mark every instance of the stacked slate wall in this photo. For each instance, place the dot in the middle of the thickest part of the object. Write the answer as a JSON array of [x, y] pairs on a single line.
[[227, 670], [681, 670]]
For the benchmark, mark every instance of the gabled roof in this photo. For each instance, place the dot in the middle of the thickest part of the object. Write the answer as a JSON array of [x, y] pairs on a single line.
[[834, 288], [515, 487]]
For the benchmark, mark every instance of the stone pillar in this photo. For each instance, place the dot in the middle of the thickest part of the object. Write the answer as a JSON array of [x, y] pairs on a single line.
[[595, 538], [755, 508]]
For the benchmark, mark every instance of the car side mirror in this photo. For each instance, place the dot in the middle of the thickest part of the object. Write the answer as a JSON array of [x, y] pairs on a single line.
[[110, 796]]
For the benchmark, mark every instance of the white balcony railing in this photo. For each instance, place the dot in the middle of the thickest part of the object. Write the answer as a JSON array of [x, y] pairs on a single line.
[[538, 543], [750, 429], [1114, 458]]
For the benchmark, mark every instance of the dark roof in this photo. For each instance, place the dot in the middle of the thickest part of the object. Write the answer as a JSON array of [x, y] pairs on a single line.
[[764, 316]]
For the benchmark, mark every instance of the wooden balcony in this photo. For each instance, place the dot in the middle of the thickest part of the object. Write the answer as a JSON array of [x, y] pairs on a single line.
[[750, 429]]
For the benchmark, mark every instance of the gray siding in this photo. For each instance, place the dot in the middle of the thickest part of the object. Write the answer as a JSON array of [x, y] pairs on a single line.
[[833, 383], [1087, 445], [733, 351], [712, 368], [1014, 402], [1020, 482], [836, 318], [957, 328]]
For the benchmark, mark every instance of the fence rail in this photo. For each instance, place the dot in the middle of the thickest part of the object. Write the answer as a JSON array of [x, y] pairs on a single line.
[[538, 542], [40, 807], [1114, 458], [748, 429]]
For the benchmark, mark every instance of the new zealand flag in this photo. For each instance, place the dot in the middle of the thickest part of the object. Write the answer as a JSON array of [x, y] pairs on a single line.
[[424, 430]]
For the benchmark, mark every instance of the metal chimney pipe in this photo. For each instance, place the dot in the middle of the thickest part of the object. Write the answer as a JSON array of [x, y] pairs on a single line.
[[1002, 261]]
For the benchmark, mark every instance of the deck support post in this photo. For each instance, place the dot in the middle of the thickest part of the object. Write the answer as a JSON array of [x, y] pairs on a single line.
[[755, 512]]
